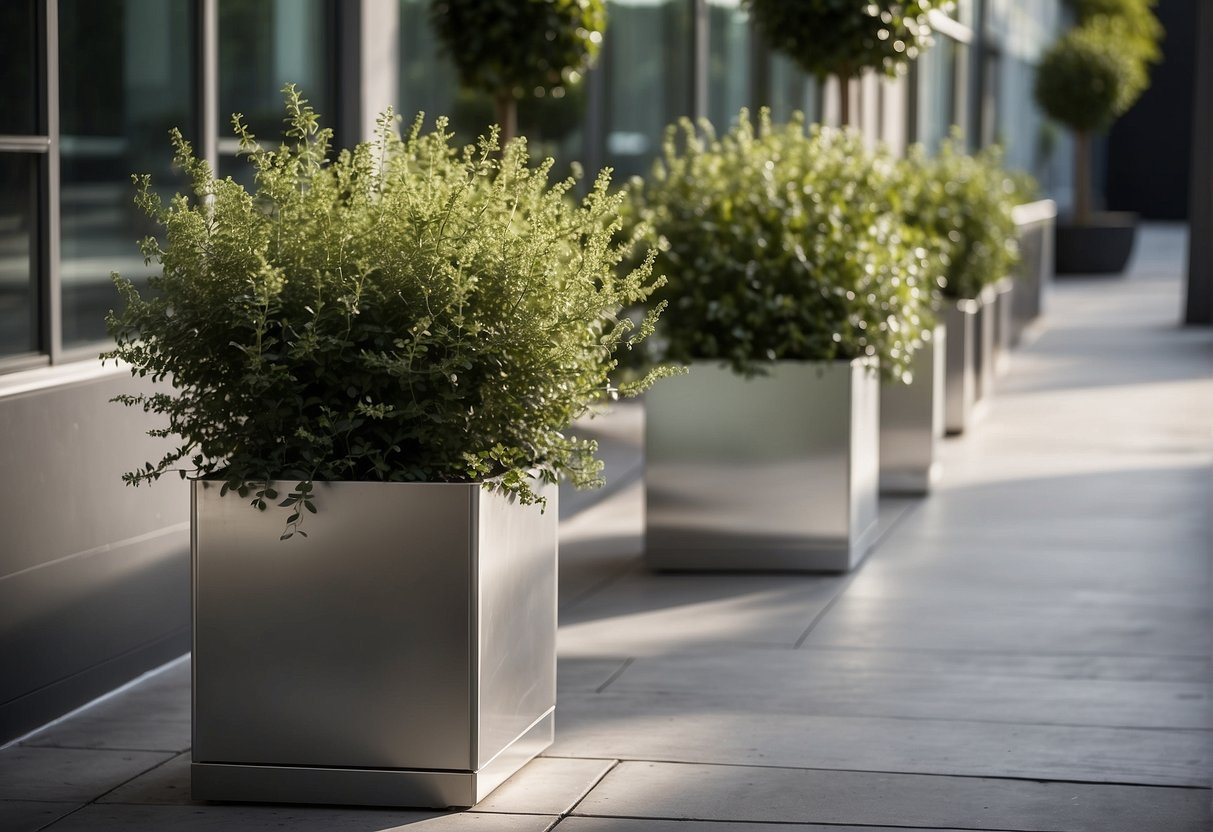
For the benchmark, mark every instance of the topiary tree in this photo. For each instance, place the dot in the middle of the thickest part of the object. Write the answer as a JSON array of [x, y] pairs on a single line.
[[516, 48], [844, 37], [1086, 80]]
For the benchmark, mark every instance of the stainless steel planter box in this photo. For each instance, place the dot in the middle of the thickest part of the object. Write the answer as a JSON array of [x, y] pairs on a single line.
[[402, 654], [778, 472], [983, 342], [1004, 292], [911, 420], [1036, 222], [960, 372]]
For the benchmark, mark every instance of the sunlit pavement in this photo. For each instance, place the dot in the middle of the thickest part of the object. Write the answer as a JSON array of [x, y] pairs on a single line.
[[1026, 649]]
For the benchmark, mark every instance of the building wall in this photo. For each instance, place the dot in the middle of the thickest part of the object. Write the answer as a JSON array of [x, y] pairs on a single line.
[[94, 575]]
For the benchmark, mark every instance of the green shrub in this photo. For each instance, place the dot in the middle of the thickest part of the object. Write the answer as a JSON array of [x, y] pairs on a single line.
[[963, 204], [405, 312], [781, 245]]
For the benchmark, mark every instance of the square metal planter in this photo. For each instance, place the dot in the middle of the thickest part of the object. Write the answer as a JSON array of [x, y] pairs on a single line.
[[960, 365], [403, 654], [1036, 224], [774, 473], [1004, 300], [984, 328], [912, 419]]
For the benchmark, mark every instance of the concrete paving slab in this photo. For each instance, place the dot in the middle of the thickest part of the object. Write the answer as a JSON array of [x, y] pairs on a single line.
[[770, 795], [965, 624], [843, 683], [547, 786], [226, 818], [69, 774], [646, 614], [652, 727], [31, 815], [167, 783], [133, 733], [577, 824]]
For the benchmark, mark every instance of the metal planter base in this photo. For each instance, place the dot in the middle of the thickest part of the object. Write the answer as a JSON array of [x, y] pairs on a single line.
[[774, 473], [369, 787], [911, 420], [403, 654], [1004, 291]]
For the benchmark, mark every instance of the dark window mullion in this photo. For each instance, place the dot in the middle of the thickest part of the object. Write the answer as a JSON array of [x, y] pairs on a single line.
[[49, 228]]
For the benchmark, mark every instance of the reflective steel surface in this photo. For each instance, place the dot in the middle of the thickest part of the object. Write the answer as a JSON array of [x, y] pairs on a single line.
[[1036, 222], [911, 419], [1004, 300], [413, 629], [773, 473], [960, 377], [983, 343]]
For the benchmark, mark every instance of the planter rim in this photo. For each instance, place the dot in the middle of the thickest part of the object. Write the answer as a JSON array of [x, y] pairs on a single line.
[[1027, 213]]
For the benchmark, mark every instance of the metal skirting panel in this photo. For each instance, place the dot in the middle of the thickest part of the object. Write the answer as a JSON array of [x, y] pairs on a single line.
[[369, 786], [911, 420], [413, 629], [774, 472], [94, 575], [960, 375]]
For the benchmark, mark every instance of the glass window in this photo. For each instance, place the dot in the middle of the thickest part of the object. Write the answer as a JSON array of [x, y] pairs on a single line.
[[936, 92], [126, 77], [728, 62], [429, 83], [18, 220], [647, 65], [264, 45], [792, 90], [18, 67]]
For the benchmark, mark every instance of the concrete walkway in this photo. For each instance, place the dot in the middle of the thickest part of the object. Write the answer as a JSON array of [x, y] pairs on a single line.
[[1027, 649]]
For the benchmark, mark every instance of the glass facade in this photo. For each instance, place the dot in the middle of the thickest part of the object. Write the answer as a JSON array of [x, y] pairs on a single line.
[[18, 67], [729, 61], [114, 123], [18, 223], [128, 70], [264, 45], [647, 63]]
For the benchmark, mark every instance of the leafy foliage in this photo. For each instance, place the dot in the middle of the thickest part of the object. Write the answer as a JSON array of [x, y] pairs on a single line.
[[779, 244], [407, 312], [843, 37], [1087, 79], [1131, 20], [520, 45], [963, 204]]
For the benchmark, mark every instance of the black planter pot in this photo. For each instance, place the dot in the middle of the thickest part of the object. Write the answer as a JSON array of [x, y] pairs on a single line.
[[1101, 247]]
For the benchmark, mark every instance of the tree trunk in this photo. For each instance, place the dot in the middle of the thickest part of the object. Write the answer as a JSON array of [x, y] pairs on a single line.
[[507, 116], [844, 99], [1082, 177]]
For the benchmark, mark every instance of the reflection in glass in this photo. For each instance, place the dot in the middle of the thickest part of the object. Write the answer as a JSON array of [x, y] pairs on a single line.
[[18, 213], [936, 93], [18, 67], [264, 45], [647, 63], [728, 62], [429, 83], [126, 78], [792, 90]]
